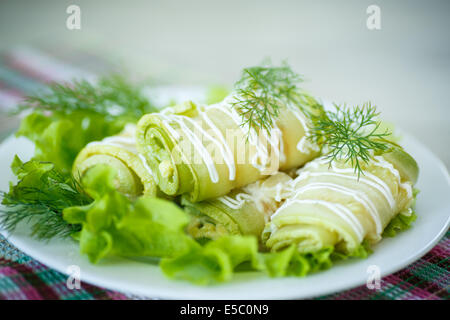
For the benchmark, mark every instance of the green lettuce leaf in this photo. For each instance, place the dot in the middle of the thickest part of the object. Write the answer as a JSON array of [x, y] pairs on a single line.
[[218, 260], [115, 225], [399, 223], [213, 262], [402, 221]]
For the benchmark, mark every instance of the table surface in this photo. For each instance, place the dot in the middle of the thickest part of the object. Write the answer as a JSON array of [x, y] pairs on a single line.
[[403, 68], [22, 277]]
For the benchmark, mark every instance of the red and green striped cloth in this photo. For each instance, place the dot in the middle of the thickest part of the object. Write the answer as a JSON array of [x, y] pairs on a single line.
[[24, 70], [22, 277]]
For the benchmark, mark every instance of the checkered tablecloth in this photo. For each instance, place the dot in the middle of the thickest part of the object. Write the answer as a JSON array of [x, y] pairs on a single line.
[[24, 70], [22, 277]]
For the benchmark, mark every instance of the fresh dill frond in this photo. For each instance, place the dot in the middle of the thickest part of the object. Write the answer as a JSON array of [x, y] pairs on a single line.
[[67, 116], [349, 134], [111, 96], [46, 222], [39, 199], [260, 93]]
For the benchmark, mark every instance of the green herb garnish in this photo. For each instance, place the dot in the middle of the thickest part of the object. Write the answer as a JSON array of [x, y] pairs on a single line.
[[349, 134], [39, 199], [68, 116], [261, 91], [111, 96]]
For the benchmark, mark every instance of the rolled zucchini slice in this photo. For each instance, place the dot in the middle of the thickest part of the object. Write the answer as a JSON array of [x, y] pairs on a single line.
[[205, 152], [332, 206], [134, 176], [243, 211]]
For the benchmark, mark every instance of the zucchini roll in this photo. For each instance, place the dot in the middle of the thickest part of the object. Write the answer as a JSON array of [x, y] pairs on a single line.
[[243, 211], [205, 152], [134, 176], [331, 206]]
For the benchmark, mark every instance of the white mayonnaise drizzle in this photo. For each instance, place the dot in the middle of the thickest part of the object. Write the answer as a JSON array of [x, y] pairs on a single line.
[[373, 180], [165, 120], [224, 148], [261, 150], [304, 145], [381, 162], [276, 141], [145, 164], [339, 209], [360, 197], [198, 145], [386, 192], [123, 142], [262, 154], [235, 203]]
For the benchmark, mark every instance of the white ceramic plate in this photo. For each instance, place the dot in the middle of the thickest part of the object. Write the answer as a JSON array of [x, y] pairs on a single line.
[[141, 278]]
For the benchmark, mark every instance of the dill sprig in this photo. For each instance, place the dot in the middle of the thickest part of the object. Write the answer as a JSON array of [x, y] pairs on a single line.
[[261, 91], [111, 96], [39, 199], [67, 116], [45, 221], [350, 134]]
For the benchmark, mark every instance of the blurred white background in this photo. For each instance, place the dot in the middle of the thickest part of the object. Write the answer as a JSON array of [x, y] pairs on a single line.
[[402, 68]]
